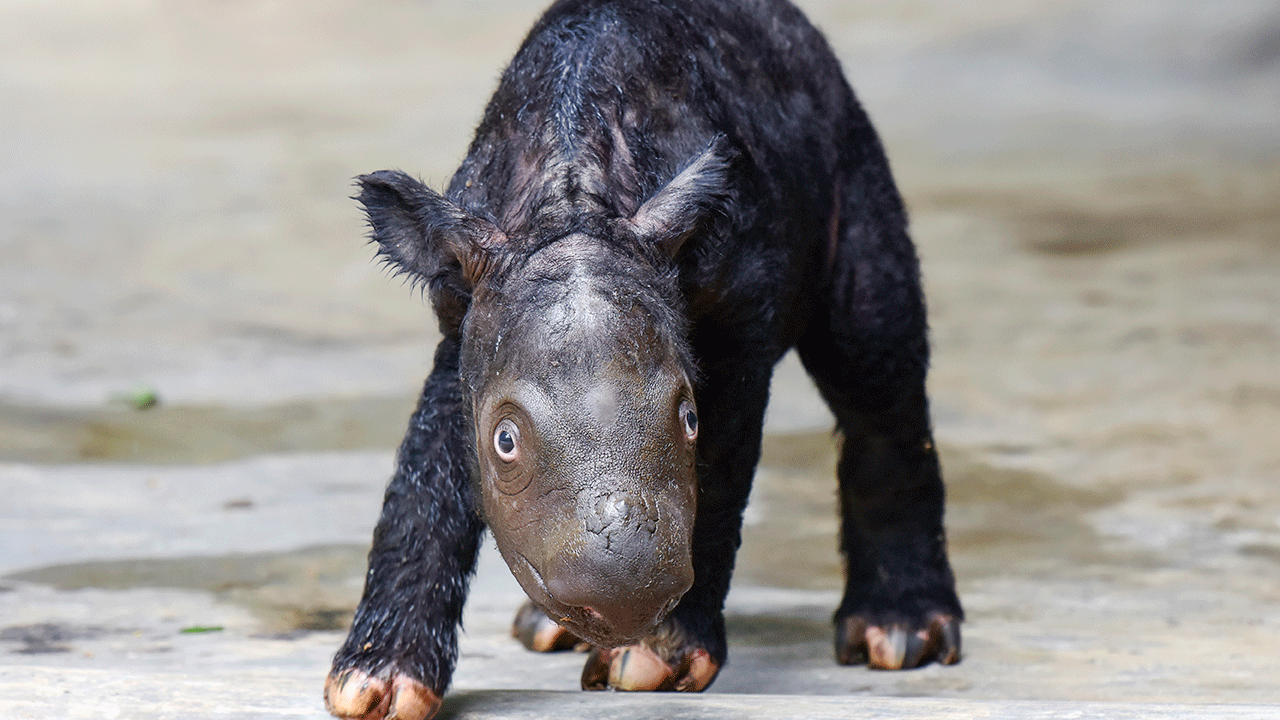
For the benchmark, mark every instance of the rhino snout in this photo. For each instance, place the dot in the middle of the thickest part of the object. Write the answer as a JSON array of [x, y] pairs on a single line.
[[617, 580]]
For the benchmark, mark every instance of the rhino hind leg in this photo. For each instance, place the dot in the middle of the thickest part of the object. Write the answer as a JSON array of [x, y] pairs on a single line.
[[667, 660], [539, 633]]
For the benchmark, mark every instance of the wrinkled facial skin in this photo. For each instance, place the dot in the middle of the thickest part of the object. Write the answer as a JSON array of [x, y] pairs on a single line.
[[585, 431]]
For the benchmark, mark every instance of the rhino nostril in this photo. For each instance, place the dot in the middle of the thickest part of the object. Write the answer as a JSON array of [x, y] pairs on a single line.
[[671, 605]]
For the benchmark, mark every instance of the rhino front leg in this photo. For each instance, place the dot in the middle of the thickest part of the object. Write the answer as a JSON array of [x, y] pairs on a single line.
[[399, 655]]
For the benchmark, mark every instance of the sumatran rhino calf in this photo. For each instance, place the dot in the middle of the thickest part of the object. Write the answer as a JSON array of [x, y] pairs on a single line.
[[661, 199]]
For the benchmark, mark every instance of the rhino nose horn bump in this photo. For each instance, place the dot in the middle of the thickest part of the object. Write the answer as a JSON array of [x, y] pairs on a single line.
[[621, 516]]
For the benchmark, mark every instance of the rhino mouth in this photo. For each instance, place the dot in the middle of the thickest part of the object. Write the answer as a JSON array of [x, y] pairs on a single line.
[[583, 620]]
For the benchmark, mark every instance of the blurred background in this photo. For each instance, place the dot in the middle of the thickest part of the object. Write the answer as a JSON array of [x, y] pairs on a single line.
[[203, 372]]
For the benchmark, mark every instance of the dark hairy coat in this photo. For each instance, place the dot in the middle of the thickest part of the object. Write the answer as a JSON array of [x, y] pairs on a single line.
[[715, 154]]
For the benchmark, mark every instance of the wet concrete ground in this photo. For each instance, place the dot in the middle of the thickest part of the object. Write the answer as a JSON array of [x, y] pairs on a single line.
[[1095, 190]]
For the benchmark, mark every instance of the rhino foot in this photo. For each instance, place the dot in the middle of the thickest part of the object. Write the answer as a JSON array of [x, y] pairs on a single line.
[[898, 645], [664, 661], [353, 693], [539, 633]]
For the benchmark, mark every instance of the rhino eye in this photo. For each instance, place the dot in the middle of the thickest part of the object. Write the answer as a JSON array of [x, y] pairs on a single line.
[[690, 419], [506, 441]]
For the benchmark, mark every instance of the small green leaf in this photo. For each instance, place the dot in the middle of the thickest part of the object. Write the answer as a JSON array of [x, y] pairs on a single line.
[[201, 629], [141, 397]]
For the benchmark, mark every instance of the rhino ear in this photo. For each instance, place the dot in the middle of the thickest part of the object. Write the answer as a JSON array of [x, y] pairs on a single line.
[[687, 203], [421, 233]]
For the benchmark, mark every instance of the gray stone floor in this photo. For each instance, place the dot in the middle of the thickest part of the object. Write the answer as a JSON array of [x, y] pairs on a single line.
[[1093, 190]]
